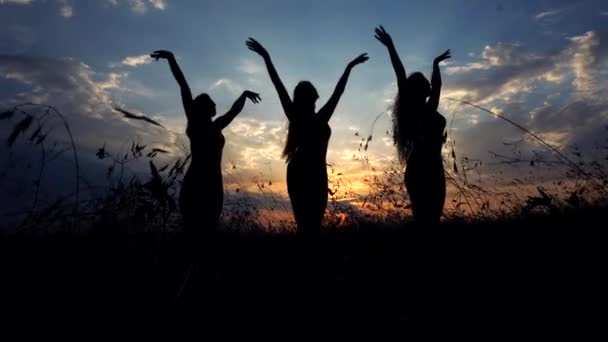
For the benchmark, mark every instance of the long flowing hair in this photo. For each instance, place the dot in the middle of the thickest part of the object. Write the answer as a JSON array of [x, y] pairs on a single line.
[[407, 115], [304, 97]]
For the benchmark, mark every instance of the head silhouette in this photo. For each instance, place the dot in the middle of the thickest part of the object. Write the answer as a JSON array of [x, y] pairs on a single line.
[[304, 97], [418, 87], [203, 104]]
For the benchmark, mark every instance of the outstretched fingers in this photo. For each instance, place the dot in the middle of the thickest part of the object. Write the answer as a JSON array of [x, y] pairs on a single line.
[[360, 59], [382, 35], [161, 54], [446, 55], [254, 97], [378, 34], [255, 46]]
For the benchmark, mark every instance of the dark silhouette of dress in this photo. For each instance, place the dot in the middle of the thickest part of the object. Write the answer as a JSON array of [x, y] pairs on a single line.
[[307, 175], [202, 193]]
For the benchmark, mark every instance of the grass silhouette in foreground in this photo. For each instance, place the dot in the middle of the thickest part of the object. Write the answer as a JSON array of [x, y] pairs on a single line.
[[539, 259], [539, 267]]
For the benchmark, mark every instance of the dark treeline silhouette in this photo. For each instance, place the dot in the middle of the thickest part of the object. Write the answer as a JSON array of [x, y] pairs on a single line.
[[419, 134], [307, 141]]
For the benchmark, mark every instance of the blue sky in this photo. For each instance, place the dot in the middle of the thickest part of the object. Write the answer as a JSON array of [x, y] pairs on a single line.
[[524, 59]]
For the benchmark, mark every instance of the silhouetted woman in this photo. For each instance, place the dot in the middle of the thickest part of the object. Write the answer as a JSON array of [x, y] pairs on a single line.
[[419, 135], [202, 193], [306, 147]]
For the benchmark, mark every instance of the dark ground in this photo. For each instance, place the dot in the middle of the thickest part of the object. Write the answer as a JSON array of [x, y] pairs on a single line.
[[532, 269]]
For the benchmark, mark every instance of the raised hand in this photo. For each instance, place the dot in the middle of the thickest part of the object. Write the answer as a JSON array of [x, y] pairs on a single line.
[[360, 59], [255, 46], [443, 57], [383, 36], [161, 54], [254, 97]]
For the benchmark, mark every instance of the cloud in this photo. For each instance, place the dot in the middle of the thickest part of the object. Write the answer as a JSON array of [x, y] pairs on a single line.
[[16, 2], [138, 6], [159, 4], [84, 96], [224, 83], [466, 68], [134, 61], [555, 94], [141, 6], [546, 14], [251, 67], [503, 71], [67, 7], [60, 80], [254, 144], [67, 10], [506, 71], [588, 60]]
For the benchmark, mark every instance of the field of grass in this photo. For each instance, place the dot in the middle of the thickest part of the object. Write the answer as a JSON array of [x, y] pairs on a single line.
[[533, 268], [119, 254]]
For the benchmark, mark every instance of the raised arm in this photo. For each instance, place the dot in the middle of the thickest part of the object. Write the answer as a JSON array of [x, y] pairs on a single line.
[[179, 77], [327, 110], [253, 45], [436, 80], [387, 41], [236, 108]]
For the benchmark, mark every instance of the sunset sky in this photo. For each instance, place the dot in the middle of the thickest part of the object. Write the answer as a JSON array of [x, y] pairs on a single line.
[[543, 64]]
